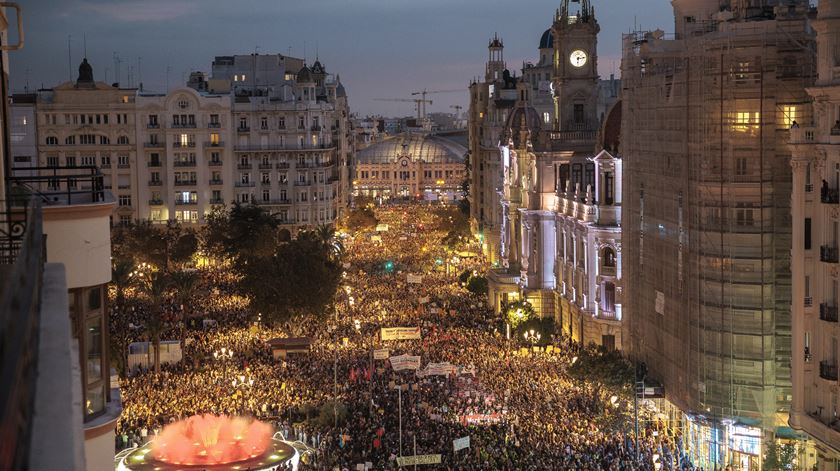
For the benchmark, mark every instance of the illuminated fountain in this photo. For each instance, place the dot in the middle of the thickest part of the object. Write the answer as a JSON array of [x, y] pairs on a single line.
[[210, 442]]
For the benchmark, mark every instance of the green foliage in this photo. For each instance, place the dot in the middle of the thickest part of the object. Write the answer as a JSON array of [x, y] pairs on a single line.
[[159, 245], [327, 414], [245, 231], [361, 219], [605, 366], [464, 276], [477, 285], [544, 327], [780, 457], [300, 277], [362, 201], [518, 312]]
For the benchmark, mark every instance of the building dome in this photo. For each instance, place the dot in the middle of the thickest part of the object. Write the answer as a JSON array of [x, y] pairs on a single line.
[[547, 40], [304, 75], [423, 147], [522, 118], [85, 73]]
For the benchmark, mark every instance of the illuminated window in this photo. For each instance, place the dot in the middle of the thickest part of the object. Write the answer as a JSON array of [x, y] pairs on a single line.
[[546, 118], [791, 114], [744, 121], [214, 139], [185, 140]]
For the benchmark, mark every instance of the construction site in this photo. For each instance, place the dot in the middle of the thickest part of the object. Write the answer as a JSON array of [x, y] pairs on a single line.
[[706, 218]]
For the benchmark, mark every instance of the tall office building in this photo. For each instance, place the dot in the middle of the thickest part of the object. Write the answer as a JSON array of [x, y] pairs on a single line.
[[814, 256], [706, 218]]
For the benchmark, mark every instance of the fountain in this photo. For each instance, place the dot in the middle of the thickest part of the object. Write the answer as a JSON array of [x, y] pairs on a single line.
[[210, 442]]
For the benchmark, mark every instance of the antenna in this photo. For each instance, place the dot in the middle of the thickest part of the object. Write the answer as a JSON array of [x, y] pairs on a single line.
[[168, 68], [117, 62], [139, 76], [84, 39], [69, 60]]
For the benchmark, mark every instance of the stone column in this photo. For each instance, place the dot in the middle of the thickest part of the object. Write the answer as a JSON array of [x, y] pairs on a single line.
[[797, 268]]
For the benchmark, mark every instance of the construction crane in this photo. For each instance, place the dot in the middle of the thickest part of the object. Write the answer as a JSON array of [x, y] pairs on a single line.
[[425, 92], [419, 104], [457, 109]]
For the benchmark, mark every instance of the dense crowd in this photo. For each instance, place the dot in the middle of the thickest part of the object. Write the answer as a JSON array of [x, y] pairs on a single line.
[[521, 409]]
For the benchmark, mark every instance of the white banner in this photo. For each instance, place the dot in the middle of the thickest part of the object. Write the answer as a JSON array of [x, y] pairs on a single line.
[[415, 279], [380, 354], [438, 369], [660, 303], [405, 362], [461, 443], [400, 333], [423, 300], [418, 459], [466, 370]]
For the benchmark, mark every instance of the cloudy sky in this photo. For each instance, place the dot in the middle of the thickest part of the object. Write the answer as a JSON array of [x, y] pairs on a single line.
[[381, 48]]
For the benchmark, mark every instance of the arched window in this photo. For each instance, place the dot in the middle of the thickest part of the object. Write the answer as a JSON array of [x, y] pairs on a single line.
[[52, 141], [70, 140], [608, 257], [122, 140]]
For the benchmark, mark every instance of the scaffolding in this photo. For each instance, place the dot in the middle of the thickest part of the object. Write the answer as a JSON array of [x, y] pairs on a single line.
[[707, 210]]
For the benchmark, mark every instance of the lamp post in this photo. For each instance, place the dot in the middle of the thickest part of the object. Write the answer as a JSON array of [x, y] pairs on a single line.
[[243, 382], [224, 355], [532, 337]]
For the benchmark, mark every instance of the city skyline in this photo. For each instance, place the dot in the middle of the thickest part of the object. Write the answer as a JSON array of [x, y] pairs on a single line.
[[358, 54]]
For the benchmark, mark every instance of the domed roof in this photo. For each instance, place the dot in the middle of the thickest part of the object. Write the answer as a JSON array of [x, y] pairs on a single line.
[[424, 147], [547, 40], [85, 72], [522, 118], [304, 75]]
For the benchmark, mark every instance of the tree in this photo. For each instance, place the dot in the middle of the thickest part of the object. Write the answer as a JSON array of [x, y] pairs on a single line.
[[155, 287], [518, 312], [121, 278], [330, 243], [157, 245], [184, 284], [780, 457], [477, 285], [300, 277], [361, 219]]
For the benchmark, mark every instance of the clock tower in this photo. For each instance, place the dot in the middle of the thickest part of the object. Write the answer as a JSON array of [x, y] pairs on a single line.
[[575, 82]]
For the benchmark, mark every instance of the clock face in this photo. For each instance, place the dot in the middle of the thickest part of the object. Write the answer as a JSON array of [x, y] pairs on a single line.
[[404, 163], [577, 58]]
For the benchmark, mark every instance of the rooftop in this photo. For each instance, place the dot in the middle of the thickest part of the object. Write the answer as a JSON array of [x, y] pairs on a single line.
[[426, 147]]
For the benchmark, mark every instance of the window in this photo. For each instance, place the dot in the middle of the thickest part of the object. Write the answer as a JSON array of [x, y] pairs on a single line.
[[52, 161], [283, 177], [153, 120], [741, 166], [547, 118], [243, 123], [301, 122], [244, 197], [608, 257], [106, 160], [790, 115], [217, 195], [266, 177], [70, 140], [214, 139], [578, 113], [263, 123], [246, 178], [125, 200], [608, 188], [266, 195], [183, 104], [103, 140], [87, 139], [52, 141], [807, 233], [214, 119], [282, 122], [122, 161], [155, 176], [88, 160], [125, 220], [122, 140], [70, 161]]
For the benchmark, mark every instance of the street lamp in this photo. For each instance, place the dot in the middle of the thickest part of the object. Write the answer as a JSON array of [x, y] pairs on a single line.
[[532, 336], [224, 355], [243, 383]]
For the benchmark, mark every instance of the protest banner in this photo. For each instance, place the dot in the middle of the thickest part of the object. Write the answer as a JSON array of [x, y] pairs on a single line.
[[405, 362], [400, 333], [461, 443], [380, 354], [418, 459], [414, 279]]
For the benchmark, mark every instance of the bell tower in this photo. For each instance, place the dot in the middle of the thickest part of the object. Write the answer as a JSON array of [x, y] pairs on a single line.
[[495, 60], [575, 82]]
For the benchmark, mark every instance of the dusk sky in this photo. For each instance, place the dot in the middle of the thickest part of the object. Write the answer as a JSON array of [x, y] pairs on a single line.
[[381, 48]]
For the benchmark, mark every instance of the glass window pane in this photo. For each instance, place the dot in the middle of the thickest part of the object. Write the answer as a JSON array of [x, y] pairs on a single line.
[[93, 347], [94, 298], [95, 401]]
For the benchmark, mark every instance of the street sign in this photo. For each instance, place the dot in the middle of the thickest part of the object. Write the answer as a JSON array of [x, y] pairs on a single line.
[[418, 459]]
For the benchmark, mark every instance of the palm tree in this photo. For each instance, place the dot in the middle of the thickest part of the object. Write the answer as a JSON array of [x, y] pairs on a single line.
[[121, 279], [155, 286], [331, 244], [184, 284]]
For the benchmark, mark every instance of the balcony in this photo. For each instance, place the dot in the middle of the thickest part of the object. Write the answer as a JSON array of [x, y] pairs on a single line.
[[265, 183], [802, 135], [217, 201], [214, 144], [215, 181], [180, 202], [245, 184], [152, 126], [155, 202], [215, 163], [214, 125], [607, 271], [828, 313], [265, 167], [123, 166], [300, 183], [274, 202], [183, 145], [828, 370], [828, 254], [183, 125], [186, 182], [154, 145], [829, 195], [281, 147], [316, 128], [188, 163], [283, 165], [244, 166], [155, 182], [153, 164], [243, 129]]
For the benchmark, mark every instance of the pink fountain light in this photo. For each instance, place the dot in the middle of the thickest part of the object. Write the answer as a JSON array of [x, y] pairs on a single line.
[[211, 440]]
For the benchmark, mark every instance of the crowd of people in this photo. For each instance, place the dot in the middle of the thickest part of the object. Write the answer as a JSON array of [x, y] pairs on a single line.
[[521, 409]]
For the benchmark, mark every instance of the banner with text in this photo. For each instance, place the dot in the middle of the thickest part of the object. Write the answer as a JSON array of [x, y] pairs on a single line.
[[400, 333], [438, 369], [405, 362], [415, 279], [418, 459], [461, 443], [381, 354]]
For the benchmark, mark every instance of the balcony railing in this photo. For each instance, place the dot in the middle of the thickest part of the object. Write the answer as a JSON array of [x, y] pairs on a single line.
[[60, 185], [154, 164], [217, 201], [265, 167], [281, 147], [244, 166], [183, 125], [829, 254], [21, 247], [828, 313], [215, 181], [182, 145], [214, 125], [828, 370], [829, 195], [245, 184], [186, 163], [154, 145], [274, 201], [155, 202], [215, 163], [300, 183], [179, 202], [186, 182], [243, 129], [152, 125], [214, 144], [155, 182]]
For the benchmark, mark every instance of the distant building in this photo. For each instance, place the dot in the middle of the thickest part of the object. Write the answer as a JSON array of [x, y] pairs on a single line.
[[24, 131], [412, 167]]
